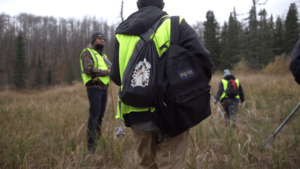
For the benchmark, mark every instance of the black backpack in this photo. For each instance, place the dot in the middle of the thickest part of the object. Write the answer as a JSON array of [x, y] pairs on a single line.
[[232, 89], [183, 91], [139, 78]]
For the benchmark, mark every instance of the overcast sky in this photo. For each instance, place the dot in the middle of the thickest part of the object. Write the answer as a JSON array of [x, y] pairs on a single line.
[[191, 10]]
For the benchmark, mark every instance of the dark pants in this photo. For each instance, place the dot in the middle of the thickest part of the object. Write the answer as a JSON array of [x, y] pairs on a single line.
[[230, 106], [98, 99]]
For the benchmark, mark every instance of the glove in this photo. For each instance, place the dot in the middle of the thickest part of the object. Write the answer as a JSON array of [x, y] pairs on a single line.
[[95, 79]]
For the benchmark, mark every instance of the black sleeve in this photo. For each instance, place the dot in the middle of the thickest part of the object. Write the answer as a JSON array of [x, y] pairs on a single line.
[[295, 62], [241, 93], [115, 70], [220, 91], [189, 40]]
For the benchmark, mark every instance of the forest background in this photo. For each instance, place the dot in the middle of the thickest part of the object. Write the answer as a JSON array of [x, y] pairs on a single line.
[[44, 50]]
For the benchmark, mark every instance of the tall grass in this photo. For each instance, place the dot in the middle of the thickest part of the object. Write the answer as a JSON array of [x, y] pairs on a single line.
[[48, 130]]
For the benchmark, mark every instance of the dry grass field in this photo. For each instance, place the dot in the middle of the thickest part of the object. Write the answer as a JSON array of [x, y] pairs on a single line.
[[47, 129]]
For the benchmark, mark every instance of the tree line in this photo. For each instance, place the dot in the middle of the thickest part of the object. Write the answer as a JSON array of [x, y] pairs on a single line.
[[39, 50], [50, 47], [257, 39]]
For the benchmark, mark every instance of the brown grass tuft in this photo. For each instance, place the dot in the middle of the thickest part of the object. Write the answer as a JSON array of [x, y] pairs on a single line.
[[279, 66]]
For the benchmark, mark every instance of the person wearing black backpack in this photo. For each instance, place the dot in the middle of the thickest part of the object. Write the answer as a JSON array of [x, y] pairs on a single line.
[[230, 93], [140, 31]]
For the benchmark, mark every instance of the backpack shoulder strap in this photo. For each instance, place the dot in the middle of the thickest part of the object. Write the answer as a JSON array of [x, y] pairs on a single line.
[[175, 30], [144, 37], [152, 30]]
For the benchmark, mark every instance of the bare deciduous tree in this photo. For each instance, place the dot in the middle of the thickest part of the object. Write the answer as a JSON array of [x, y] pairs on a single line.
[[58, 41]]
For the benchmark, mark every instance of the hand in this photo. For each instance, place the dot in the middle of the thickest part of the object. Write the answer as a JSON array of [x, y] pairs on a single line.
[[95, 79], [216, 101], [242, 104], [108, 71]]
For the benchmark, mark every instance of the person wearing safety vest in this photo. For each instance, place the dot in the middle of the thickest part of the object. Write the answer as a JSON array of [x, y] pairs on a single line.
[[95, 76], [141, 119], [230, 104]]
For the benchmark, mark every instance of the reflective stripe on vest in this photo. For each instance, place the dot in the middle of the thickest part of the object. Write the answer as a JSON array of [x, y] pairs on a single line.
[[98, 63], [128, 45], [225, 84]]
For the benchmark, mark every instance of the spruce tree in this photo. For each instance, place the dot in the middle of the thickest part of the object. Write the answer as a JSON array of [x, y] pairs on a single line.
[[278, 45], [79, 73], [38, 80], [291, 28], [230, 42], [69, 76], [211, 38], [225, 54], [271, 45], [19, 67], [252, 52], [233, 39], [264, 35], [49, 77]]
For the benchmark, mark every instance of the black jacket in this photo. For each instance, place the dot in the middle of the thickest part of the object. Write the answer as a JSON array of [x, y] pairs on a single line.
[[138, 23], [221, 90], [295, 62]]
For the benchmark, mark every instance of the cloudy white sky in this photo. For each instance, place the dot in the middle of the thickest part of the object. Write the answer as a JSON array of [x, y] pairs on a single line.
[[191, 10]]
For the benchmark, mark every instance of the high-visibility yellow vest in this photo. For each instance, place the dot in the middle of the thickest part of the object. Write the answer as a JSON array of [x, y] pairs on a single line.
[[225, 84], [127, 45], [98, 63]]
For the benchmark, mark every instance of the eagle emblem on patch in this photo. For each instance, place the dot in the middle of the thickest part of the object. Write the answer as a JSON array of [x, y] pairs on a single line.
[[141, 74]]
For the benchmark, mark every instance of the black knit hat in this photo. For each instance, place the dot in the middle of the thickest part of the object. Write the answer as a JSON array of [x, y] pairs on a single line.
[[145, 3], [96, 35]]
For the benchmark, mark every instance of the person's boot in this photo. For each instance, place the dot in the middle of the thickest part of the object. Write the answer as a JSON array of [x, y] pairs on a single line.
[[91, 142], [233, 124]]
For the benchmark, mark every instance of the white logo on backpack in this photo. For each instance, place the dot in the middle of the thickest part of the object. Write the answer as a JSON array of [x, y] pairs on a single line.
[[141, 74]]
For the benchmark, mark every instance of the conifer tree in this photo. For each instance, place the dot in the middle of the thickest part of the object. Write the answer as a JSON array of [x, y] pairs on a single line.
[[225, 54], [79, 73], [39, 73], [233, 39], [253, 44], [230, 42], [291, 28], [69, 76], [264, 35], [278, 37], [19, 68], [211, 38], [49, 77], [271, 26]]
